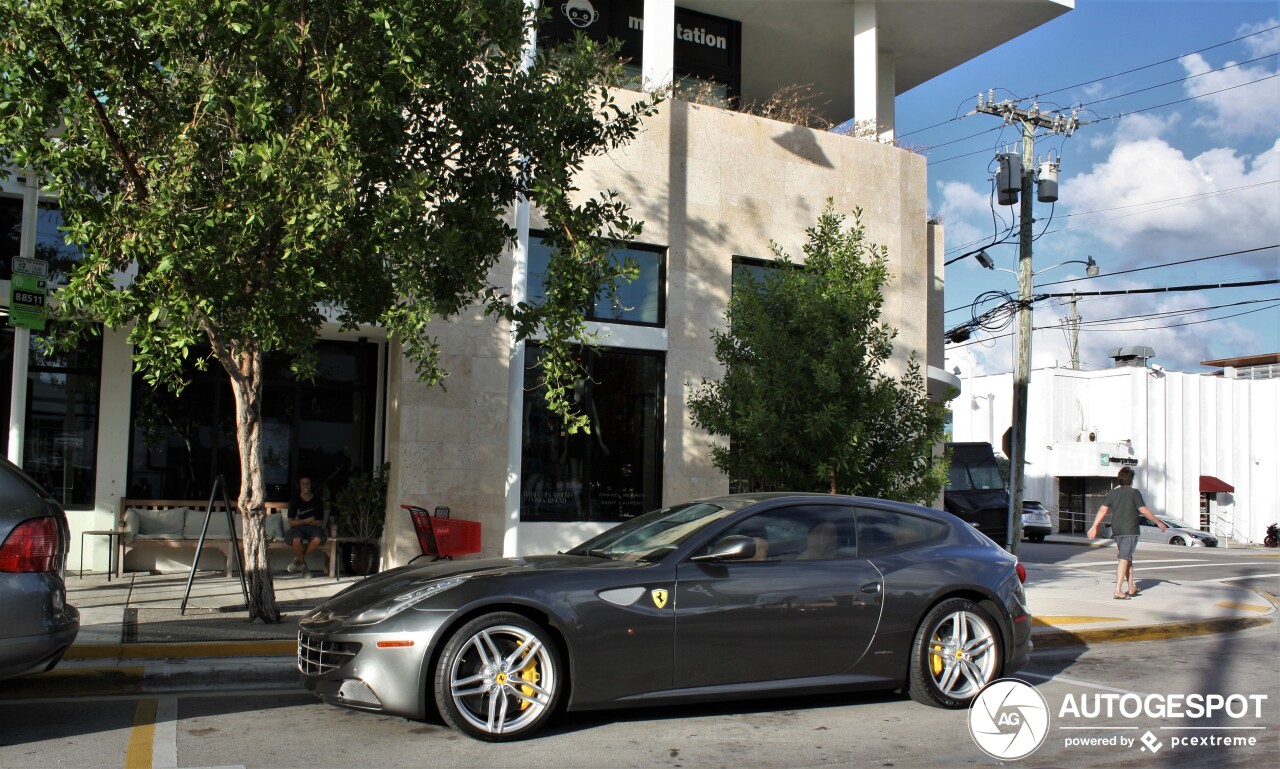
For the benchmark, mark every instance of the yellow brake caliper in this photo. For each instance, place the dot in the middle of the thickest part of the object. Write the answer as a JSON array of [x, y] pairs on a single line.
[[530, 674], [935, 657]]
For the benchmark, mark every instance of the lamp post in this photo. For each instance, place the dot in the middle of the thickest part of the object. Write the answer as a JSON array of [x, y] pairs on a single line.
[[1022, 368]]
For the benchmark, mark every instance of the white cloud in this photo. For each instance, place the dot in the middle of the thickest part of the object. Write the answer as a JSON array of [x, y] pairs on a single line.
[[1154, 201], [1264, 44], [965, 210], [1238, 105]]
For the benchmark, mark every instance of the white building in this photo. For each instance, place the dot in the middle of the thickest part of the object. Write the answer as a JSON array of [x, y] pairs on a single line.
[[1204, 446], [713, 187]]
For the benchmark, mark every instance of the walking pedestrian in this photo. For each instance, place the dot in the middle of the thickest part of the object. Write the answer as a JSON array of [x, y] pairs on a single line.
[[1125, 504]]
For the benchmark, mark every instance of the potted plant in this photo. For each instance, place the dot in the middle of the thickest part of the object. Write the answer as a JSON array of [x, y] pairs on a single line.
[[361, 513]]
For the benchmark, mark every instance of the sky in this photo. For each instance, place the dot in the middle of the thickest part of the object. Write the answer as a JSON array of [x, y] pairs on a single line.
[[1177, 159]]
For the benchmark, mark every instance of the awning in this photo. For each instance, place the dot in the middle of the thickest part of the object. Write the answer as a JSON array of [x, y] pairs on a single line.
[[1212, 485]]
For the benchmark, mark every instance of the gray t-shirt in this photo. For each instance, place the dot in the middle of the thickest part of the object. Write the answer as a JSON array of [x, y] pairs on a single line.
[[1123, 503]]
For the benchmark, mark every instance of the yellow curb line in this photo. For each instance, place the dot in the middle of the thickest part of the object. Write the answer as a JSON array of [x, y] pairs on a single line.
[[1247, 606], [1052, 621], [192, 649], [1060, 638]]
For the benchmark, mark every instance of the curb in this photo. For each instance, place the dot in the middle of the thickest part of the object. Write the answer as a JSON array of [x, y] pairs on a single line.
[[1058, 638], [159, 651]]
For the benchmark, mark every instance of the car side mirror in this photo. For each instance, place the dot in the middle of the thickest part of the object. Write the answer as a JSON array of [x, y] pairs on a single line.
[[734, 547]]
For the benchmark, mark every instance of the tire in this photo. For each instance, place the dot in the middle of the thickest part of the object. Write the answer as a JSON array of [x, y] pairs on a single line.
[[957, 651], [499, 678], [1270, 542], [1178, 541], [1036, 538]]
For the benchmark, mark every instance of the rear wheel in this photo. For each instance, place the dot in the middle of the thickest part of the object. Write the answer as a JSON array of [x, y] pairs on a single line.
[[499, 678], [957, 651]]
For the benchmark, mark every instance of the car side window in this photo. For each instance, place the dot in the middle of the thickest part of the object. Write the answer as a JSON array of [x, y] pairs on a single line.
[[884, 531], [801, 533]]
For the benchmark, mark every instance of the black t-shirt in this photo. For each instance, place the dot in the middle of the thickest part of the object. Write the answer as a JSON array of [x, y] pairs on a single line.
[[310, 508]]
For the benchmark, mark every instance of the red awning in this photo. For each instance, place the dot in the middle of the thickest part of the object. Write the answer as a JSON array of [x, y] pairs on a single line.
[[1212, 485]]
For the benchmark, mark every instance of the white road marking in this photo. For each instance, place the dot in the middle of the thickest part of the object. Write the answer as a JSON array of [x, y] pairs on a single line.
[[1075, 682], [1243, 576], [1137, 564], [164, 746]]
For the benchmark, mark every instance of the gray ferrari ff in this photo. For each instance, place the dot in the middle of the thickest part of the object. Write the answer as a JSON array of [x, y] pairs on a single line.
[[724, 598]]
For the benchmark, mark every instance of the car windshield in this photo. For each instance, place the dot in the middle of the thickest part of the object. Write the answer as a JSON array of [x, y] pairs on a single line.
[[1176, 523], [653, 535]]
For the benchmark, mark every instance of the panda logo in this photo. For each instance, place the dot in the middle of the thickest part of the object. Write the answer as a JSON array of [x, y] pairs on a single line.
[[580, 13]]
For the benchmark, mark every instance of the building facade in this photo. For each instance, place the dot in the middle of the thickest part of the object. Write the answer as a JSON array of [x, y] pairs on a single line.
[[714, 187], [1203, 446]]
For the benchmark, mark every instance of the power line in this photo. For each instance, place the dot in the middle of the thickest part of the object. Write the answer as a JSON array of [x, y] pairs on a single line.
[[1182, 79], [1159, 266], [1130, 112], [1158, 63], [1104, 77]]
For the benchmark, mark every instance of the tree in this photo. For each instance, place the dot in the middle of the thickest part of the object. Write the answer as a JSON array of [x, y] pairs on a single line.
[[804, 401], [235, 170]]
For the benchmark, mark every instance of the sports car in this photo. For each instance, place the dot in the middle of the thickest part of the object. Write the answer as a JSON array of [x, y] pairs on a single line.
[[731, 597]]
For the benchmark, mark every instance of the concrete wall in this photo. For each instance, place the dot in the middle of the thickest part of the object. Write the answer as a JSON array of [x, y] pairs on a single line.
[[709, 185]]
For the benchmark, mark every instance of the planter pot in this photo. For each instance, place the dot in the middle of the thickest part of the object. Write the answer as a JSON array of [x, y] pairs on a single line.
[[359, 559]]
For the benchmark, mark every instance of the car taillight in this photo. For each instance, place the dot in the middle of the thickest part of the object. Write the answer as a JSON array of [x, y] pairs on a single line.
[[1022, 571], [32, 546]]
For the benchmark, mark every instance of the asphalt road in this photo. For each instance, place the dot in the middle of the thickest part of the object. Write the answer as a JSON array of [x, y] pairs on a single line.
[[1247, 567], [291, 729]]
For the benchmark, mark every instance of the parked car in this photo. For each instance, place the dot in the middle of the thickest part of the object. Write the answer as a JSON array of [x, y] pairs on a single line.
[[1036, 521], [723, 598], [38, 625], [1178, 533]]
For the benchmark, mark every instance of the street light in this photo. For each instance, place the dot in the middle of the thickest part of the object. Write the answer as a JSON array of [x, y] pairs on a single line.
[[1022, 377]]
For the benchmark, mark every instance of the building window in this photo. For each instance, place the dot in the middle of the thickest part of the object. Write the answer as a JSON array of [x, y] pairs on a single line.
[[50, 245], [639, 302], [322, 428], [614, 472], [59, 446]]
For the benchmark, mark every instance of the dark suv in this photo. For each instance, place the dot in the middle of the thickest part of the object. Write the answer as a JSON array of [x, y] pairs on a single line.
[[38, 625]]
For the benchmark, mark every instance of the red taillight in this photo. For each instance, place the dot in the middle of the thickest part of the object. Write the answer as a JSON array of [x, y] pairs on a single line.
[[32, 546], [1022, 572]]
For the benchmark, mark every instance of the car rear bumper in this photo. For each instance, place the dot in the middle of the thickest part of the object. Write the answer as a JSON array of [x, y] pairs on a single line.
[[41, 652]]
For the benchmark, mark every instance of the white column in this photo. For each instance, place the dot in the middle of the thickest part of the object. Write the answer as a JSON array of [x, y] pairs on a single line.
[[866, 60], [516, 347], [658, 52], [886, 89], [22, 336]]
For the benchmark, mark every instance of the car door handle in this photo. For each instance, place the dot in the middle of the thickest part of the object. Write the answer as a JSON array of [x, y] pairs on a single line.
[[871, 587]]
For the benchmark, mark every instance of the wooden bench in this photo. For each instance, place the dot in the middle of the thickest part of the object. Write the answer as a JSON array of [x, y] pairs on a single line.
[[220, 542]]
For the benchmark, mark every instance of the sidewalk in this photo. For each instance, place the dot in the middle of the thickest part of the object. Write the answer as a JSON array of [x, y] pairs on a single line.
[[213, 647]]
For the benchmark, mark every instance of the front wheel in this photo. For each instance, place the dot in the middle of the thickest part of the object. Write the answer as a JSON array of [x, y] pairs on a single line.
[[1178, 541], [956, 652], [499, 678]]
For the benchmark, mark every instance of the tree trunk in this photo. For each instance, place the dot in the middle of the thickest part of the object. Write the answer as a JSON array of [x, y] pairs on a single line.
[[245, 365]]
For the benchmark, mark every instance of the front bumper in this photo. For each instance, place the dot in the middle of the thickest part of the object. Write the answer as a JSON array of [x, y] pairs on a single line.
[[380, 668]]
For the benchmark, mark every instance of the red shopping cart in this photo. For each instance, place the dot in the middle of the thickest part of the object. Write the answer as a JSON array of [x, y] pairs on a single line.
[[442, 537]]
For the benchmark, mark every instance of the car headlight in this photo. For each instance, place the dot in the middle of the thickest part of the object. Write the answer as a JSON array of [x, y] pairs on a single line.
[[394, 606]]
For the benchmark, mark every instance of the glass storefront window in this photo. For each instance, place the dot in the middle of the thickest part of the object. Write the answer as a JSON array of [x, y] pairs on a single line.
[[612, 474], [59, 447], [323, 428], [639, 302]]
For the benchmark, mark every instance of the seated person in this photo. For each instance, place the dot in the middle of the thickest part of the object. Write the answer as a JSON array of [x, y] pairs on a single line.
[[305, 531], [822, 543]]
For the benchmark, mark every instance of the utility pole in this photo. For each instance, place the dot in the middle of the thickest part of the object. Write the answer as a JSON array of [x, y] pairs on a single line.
[[1075, 333], [1029, 120]]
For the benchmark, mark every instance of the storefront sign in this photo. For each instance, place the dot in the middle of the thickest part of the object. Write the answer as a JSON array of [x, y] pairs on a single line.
[[705, 45], [1130, 461], [28, 293]]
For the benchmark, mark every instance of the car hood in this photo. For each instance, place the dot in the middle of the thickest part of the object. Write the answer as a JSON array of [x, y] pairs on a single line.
[[390, 584]]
